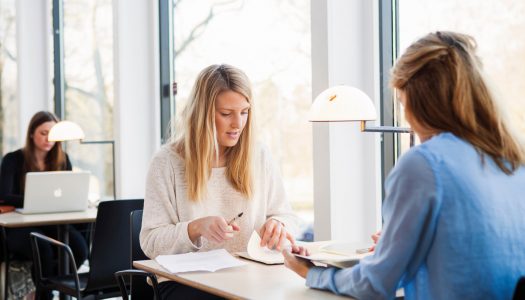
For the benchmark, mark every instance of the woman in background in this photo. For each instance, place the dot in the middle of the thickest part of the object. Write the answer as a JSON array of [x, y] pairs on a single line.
[[37, 155], [453, 213], [213, 172]]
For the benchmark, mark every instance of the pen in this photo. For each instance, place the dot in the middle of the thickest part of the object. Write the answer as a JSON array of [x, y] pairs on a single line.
[[235, 218]]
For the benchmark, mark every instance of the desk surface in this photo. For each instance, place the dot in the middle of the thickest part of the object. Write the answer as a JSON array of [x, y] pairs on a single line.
[[251, 281], [14, 219]]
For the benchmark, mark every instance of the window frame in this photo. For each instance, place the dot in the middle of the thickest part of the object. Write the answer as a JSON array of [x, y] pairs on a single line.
[[166, 57], [388, 49], [58, 56]]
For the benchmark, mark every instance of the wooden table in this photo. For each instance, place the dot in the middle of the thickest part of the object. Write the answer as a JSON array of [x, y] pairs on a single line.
[[251, 281], [18, 220]]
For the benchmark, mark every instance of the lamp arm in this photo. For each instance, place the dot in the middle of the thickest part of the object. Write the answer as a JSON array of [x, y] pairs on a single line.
[[389, 129], [113, 161], [98, 142], [384, 128]]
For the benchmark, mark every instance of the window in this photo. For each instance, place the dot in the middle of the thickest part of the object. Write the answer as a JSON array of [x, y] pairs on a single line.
[[497, 26], [8, 78], [270, 41], [88, 87]]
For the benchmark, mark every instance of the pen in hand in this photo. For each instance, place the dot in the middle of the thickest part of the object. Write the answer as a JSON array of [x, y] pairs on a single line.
[[235, 218]]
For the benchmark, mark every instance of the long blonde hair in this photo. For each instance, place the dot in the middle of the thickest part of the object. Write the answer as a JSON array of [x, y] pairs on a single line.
[[441, 77], [197, 142]]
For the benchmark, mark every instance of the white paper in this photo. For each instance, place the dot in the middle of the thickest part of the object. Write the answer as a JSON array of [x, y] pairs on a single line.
[[327, 256], [262, 254], [337, 254], [346, 248], [198, 261]]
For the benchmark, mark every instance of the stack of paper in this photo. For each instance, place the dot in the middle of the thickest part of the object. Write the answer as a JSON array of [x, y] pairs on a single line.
[[198, 261]]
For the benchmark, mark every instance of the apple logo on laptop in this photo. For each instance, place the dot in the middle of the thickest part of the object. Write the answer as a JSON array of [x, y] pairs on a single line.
[[57, 193]]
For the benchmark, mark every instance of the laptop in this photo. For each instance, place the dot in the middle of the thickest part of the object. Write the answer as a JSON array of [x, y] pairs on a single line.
[[58, 191]]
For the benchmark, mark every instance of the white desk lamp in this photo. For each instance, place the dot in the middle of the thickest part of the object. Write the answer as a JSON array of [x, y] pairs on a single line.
[[70, 131], [348, 104]]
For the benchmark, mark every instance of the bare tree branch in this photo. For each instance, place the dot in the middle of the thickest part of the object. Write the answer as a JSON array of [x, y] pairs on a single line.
[[7, 53], [175, 3], [200, 28], [195, 33], [79, 90]]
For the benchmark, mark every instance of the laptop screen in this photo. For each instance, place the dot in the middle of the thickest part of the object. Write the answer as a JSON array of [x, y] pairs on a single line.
[[57, 191]]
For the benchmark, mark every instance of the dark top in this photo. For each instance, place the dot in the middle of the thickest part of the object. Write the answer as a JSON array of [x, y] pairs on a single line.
[[11, 175]]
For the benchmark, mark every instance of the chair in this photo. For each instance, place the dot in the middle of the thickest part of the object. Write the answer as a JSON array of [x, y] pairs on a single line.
[[519, 292], [139, 288], [109, 254]]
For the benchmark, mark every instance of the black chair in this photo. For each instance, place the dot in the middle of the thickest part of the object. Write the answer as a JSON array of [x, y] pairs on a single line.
[[109, 253], [519, 292], [139, 288]]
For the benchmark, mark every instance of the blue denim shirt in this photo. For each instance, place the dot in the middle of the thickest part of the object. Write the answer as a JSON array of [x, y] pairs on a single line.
[[454, 228]]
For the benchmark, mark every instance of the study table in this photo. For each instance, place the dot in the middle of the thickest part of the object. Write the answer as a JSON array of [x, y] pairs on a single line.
[[17, 220], [251, 281]]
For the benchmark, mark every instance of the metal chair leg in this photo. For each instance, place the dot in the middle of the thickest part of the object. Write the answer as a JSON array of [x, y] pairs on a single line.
[[6, 262]]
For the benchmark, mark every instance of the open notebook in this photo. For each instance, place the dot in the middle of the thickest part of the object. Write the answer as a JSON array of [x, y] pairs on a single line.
[[261, 254], [336, 254]]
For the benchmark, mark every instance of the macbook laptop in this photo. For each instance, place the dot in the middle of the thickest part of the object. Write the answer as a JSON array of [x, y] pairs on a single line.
[[59, 191]]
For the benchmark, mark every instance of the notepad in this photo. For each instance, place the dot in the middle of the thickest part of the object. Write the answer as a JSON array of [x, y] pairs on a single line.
[[261, 254], [346, 248], [210, 261], [341, 255]]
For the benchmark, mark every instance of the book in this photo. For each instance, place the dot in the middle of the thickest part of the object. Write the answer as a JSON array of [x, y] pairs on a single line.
[[6, 208]]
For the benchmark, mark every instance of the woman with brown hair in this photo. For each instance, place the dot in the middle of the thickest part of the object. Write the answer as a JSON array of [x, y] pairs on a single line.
[[37, 155], [453, 213]]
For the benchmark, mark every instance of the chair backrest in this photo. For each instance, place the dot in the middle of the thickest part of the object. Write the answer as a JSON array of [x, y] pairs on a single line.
[[140, 289], [136, 226], [111, 241], [519, 292]]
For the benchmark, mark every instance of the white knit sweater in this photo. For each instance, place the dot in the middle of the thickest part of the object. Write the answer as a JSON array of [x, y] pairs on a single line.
[[167, 211]]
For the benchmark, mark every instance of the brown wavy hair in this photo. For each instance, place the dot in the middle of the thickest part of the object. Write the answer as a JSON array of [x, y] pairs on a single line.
[[198, 143], [55, 159], [445, 89]]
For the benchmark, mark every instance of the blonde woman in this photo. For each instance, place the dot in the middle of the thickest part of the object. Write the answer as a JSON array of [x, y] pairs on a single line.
[[210, 174], [453, 214]]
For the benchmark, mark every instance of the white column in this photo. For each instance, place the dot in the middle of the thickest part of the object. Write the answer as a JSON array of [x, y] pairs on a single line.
[[346, 160], [33, 34], [136, 113]]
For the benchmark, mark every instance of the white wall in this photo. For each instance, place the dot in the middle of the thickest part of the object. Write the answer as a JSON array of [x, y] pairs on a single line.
[[33, 28], [346, 161], [136, 115]]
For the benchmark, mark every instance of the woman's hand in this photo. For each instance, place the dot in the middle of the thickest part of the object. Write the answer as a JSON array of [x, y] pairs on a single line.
[[274, 234], [212, 228], [298, 265], [375, 237]]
